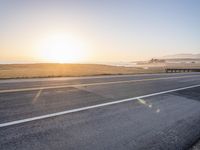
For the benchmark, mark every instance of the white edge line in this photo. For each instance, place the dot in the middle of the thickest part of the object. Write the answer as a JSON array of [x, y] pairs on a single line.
[[87, 77], [92, 84], [90, 107]]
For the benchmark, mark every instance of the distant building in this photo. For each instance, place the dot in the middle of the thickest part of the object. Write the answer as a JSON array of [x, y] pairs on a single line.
[[156, 61]]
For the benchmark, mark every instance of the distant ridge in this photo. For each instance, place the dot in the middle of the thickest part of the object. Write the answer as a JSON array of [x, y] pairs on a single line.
[[182, 56]]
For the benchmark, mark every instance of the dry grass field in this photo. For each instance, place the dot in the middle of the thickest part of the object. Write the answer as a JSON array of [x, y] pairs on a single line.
[[68, 70], [8, 71]]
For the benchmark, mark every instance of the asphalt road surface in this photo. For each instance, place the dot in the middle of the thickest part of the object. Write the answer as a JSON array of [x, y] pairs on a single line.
[[140, 112]]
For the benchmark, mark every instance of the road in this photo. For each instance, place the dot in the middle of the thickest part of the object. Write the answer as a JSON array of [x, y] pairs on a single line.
[[155, 111]]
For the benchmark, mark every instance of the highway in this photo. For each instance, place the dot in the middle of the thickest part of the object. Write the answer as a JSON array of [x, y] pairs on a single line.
[[140, 112]]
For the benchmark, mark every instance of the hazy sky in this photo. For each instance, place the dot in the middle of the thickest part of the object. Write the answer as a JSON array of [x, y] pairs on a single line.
[[109, 30]]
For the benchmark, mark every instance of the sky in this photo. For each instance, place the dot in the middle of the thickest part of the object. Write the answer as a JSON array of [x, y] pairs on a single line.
[[89, 31]]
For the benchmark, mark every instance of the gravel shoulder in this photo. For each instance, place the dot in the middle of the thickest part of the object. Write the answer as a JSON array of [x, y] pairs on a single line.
[[196, 146]]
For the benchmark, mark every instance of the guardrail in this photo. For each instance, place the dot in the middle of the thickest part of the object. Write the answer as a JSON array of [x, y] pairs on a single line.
[[171, 70]]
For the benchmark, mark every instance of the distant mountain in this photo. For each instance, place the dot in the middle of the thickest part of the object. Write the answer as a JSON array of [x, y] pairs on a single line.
[[182, 56]]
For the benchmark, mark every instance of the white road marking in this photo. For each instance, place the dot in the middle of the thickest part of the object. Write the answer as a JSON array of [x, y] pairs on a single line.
[[87, 77], [91, 107], [92, 84]]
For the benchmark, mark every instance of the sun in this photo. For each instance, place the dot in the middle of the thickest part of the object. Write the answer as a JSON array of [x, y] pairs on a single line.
[[62, 49]]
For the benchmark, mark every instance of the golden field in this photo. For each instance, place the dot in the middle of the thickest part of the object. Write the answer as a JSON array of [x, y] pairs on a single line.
[[68, 70]]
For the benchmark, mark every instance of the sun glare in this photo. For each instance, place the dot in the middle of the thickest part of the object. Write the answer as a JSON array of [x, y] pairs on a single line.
[[62, 49]]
